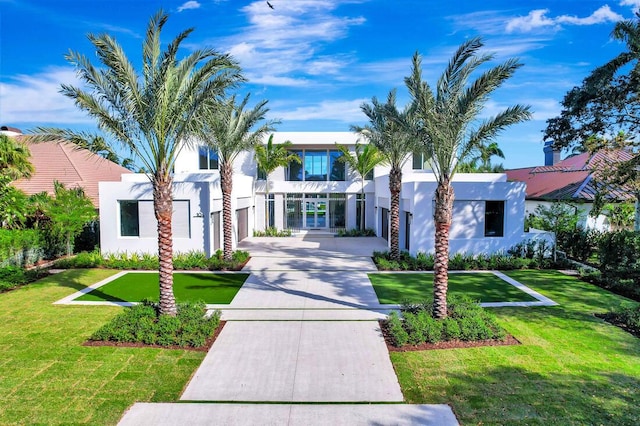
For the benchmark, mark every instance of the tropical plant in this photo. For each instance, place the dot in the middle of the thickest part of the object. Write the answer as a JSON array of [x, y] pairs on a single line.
[[607, 102], [450, 131], [483, 156], [389, 131], [14, 164], [269, 157], [230, 130], [153, 113], [69, 210], [364, 159]]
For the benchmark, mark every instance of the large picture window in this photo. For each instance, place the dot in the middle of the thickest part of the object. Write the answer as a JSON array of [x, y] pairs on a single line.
[[317, 166], [494, 219], [137, 219]]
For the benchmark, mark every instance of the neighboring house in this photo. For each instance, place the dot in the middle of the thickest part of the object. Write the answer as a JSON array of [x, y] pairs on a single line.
[[69, 165], [319, 194], [572, 180]]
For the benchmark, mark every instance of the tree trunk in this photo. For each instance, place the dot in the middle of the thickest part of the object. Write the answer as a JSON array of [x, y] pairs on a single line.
[[363, 205], [163, 209], [442, 217], [266, 204], [636, 221], [395, 185], [226, 184]]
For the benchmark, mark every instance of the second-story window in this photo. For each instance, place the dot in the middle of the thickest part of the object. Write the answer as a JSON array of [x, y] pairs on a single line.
[[419, 161], [207, 158], [317, 165]]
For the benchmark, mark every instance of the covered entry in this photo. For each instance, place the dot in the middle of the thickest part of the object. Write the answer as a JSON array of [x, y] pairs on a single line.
[[315, 211]]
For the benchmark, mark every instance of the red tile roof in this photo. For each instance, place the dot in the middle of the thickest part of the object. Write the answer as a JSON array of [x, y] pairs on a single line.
[[69, 165], [571, 178]]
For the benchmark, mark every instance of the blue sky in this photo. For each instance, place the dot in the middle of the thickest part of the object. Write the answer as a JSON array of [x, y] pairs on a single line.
[[316, 61]]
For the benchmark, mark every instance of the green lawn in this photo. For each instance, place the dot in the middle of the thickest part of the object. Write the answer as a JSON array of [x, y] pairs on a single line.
[[485, 287], [187, 287], [48, 377], [571, 369]]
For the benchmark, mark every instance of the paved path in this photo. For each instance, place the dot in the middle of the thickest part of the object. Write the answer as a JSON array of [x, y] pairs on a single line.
[[301, 330]]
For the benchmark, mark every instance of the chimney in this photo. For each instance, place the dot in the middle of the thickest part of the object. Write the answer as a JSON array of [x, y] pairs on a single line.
[[551, 155]]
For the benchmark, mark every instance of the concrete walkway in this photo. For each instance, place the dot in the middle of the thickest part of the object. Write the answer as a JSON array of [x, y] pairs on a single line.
[[303, 329]]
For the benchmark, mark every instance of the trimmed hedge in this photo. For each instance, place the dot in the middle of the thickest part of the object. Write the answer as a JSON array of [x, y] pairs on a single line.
[[466, 321], [459, 261], [12, 277], [143, 324], [193, 260]]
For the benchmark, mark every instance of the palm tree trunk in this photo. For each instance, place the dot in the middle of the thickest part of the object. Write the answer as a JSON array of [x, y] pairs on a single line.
[[443, 214], [395, 185], [226, 184], [163, 208], [266, 204], [363, 205]]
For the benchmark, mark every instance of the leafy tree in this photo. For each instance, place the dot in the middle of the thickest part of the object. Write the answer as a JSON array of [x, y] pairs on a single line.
[[450, 130], [14, 159], [607, 101], [153, 113], [269, 157], [69, 210], [14, 164], [388, 132], [364, 159], [231, 130], [559, 217]]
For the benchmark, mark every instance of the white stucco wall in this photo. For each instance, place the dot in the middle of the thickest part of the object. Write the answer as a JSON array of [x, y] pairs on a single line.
[[467, 229]]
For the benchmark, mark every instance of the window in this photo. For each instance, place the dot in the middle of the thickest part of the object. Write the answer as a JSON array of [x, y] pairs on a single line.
[[419, 160], [317, 166], [207, 158], [137, 219], [262, 175], [494, 219]]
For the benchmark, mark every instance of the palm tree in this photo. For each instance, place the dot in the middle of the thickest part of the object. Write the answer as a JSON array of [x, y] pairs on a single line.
[[153, 113], [366, 158], [387, 131], [450, 131], [228, 128], [14, 159], [269, 157]]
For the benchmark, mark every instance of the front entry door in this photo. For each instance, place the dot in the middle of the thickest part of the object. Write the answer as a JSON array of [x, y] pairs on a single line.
[[316, 214]]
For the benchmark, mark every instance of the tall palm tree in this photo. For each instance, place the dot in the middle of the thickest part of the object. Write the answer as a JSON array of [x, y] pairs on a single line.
[[153, 113], [366, 157], [387, 131], [450, 131], [14, 159], [230, 129], [269, 157]]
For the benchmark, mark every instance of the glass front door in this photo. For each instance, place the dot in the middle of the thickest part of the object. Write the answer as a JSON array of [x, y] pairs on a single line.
[[316, 214]]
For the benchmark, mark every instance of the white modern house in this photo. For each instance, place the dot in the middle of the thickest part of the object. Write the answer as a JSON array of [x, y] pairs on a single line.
[[319, 194]]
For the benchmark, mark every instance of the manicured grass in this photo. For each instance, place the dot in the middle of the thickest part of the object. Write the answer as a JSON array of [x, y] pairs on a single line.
[[48, 377], [187, 287], [571, 369], [485, 287]]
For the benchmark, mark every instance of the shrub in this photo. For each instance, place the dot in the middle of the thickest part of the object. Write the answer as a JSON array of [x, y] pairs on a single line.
[[143, 324], [355, 232], [461, 261], [627, 316], [20, 247], [13, 276], [466, 320], [272, 232]]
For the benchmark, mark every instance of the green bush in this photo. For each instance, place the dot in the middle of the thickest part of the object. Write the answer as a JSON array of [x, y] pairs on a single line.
[[20, 247], [355, 232], [143, 324], [578, 243], [466, 320], [462, 261], [627, 316], [272, 232], [619, 254], [13, 276]]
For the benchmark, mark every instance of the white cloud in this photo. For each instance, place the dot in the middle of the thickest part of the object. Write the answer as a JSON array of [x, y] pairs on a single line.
[[36, 99], [191, 4], [344, 111], [284, 45], [635, 4], [538, 19]]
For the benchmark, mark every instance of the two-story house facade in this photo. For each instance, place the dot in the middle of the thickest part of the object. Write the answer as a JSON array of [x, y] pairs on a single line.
[[318, 194]]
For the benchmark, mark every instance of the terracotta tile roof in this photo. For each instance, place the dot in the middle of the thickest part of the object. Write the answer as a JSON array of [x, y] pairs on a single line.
[[69, 165], [570, 179]]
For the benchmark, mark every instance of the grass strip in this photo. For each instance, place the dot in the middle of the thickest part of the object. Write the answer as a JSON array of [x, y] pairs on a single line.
[[485, 287], [187, 287]]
